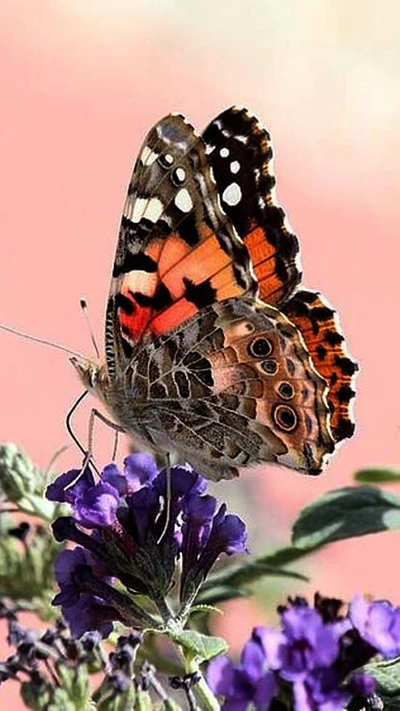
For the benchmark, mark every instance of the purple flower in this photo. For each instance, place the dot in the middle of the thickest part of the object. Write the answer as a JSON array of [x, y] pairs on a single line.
[[198, 514], [306, 652], [141, 523], [324, 690], [363, 684], [139, 470], [82, 610], [205, 535], [97, 507], [184, 481], [144, 506], [321, 691], [304, 643], [249, 682], [378, 623], [70, 485], [94, 505]]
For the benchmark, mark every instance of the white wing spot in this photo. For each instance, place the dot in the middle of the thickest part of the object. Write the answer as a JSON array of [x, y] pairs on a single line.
[[154, 210], [136, 211], [181, 174], [183, 200], [235, 166], [145, 208], [232, 195], [224, 152], [168, 158], [148, 156]]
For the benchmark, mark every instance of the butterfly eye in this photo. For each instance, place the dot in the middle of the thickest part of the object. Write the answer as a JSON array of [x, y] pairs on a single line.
[[260, 347], [178, 176], [165, 160], [286, 391], [270, 366], [285, 417]]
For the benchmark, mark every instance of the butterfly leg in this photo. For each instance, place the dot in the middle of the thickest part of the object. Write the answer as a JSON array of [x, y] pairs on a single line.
[[115, 450], [167, 496], [117, 429], [68, 422], [89, 453]]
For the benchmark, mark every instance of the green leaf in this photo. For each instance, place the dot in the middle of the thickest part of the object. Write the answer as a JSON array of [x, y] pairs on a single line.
[[202, 608], [377, 475], [199, 646], [142, 702], [170, 705], [111, 700], [239, 575], [345, 513], [27, 574], [232, 583], [387, 676], [284, 556], [221, 593]]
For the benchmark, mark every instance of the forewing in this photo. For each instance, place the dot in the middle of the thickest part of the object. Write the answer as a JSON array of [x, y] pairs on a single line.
[[240, 153], [177, 250]]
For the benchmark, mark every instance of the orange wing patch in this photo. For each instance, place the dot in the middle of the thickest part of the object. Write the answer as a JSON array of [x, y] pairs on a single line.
[[318, 325], [240, 153], [177, 250]]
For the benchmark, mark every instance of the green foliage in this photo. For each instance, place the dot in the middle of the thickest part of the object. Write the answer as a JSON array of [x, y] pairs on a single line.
[[377, 475], [199, 647], [346, 513], [233, 582], [23, 484], [26, 577], [26, 565], [387, 676]]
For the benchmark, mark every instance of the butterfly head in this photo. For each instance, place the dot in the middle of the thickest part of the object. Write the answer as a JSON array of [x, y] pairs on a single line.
[[92, 374]]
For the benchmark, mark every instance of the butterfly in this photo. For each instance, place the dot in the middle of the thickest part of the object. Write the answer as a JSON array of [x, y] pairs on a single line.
[[213, 350]]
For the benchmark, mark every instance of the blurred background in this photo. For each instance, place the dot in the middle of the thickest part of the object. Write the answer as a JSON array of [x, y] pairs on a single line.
[[81, 83]]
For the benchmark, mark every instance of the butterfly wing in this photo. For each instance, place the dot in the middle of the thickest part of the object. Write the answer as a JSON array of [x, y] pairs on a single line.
[[240, 153], [234, 388], [320, 329], [240, 150], [177, 250], [198, 364]]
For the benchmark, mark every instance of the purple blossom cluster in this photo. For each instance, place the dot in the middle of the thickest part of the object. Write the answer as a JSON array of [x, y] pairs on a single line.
[[129, 530], [314, 659]]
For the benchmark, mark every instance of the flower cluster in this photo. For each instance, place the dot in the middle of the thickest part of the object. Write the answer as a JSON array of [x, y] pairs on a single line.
[[41, 657], [53, 668], [315, 657], [131, 527]]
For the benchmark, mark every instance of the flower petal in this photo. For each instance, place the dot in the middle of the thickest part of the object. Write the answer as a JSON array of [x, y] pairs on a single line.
[[97, 507], [220, 675]]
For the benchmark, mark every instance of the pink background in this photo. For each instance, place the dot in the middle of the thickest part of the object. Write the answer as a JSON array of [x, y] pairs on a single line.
[[81, 83]]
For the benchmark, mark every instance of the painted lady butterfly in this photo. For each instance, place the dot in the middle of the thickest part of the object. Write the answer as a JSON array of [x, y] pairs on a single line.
[[211, 349]]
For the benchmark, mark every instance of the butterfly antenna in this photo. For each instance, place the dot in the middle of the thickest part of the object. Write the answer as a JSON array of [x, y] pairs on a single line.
[[84, 308], [29, 337]]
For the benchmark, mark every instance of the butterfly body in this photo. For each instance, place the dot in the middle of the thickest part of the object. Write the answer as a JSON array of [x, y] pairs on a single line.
[[211, 350]]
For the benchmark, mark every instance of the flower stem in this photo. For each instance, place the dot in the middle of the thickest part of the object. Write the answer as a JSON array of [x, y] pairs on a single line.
[[164, 609], [202, 692]]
